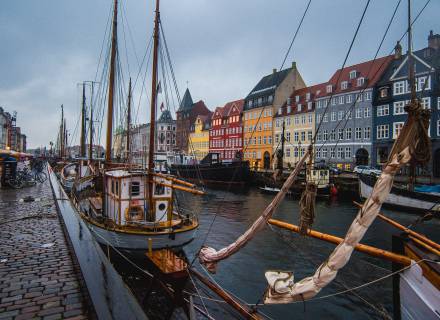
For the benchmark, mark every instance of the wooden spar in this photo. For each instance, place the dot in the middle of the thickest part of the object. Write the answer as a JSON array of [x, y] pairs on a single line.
[[405, 229], [153, 112], [424, 245], [372, 251], [185, 183], [175, 186], [91, 126], [62, 133], [111, 86], [83, 122], [65, 143], [127, 146], [243, 310]]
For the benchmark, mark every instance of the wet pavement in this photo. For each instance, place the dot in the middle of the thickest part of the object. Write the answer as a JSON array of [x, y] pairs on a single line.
[[39, 278]]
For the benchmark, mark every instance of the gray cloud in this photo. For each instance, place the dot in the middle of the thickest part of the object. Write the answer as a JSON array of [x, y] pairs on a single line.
[[222, 47]]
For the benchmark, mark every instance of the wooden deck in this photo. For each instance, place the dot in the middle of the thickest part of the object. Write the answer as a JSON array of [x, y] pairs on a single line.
[[168, 262]]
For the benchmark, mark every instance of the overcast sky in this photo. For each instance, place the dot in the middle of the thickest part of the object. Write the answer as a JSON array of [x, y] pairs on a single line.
[[220, 47]]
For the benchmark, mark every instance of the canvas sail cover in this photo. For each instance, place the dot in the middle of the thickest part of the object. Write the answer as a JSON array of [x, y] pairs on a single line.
[[413, 144]]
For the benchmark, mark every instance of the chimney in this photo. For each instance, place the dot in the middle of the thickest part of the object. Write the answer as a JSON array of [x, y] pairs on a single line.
[[293, 65], [433, 40], [274, 70], [397, 51]]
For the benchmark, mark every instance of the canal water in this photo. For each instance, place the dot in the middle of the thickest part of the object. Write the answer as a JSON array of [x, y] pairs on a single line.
[[226, 215]]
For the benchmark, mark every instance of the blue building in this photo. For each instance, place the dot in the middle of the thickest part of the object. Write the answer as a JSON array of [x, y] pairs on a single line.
[[392, 93]]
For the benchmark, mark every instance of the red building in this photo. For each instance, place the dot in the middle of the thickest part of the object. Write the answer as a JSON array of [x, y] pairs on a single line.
[[226, 133]]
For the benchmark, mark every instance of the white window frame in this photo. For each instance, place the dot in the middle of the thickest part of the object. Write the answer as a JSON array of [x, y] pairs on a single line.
[[399, 88], [397, 128], [383, 131], [398, 107]]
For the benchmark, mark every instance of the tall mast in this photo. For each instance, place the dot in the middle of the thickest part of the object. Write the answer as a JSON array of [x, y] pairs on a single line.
[[153, 110], [412, 81], [91, 126], [83, 122], [111, 85], [62, 133], [65, 143], [127, 146]]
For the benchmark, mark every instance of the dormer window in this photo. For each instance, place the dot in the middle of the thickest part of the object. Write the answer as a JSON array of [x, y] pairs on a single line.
[[360, 81], [289, 109], [383, 93], [289, 101], [297, 99], [299, 107], [280, 110], [329, 88], [309, 105], [308, 96], [270, 98], [353, 74], [250, 103], [344, 85]]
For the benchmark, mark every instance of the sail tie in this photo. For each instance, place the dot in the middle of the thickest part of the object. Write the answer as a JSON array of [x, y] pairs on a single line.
[[307, 208]]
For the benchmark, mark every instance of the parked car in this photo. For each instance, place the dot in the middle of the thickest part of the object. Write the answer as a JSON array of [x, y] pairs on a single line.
[[367, 170]]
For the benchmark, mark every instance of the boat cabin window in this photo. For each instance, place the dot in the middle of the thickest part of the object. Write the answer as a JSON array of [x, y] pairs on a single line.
[[159, 190], [135, 188]]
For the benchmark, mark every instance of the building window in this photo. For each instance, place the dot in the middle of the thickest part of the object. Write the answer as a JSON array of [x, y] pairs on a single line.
[[347, 152], [383, 110], [334, 101], [295, 152], [367, 96], [438, 127], [358, 113], [277, 138], [325, 135], [303, 119], [349, 98], [309, 105], [397, 127], [340, 134], [438, 103], [303, 136], [280, 110], [352, 74], [367, 133], [325, 118], [399, 87], [340, 115], [296, 120], [367, 112], [288, 152], [310, 118], [318, 153], [296, 136], [319, 136], [340, 153], [341, 100], [297, 99], [288, 121], [348, 133], [309, 135], [426, 103], [318, 118], [399, 107], [344, 85], [324, 152], [299, 107], [360, 81], [270, 98], [383, 93], [288, 136], [383, 131], [358, 133], [332, 135], [420, 83], [332, 153], [289, 109], [333, 116], [308, 96], [329, 88]]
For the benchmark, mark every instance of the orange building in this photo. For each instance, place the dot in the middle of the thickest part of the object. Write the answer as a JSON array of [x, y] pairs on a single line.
[[268, 95]]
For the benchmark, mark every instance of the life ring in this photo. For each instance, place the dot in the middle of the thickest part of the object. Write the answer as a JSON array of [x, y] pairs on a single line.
[[129, 216]]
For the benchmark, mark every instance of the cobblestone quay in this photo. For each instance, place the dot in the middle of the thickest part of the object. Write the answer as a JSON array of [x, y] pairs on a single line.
[[39, 278]]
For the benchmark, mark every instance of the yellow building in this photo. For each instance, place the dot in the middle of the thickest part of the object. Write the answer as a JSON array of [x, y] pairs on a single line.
[[268, 95], [198, 140], [298, 116]]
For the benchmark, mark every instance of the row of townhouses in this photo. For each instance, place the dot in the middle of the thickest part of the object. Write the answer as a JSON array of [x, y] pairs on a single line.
[[356, 115], [11, 136]]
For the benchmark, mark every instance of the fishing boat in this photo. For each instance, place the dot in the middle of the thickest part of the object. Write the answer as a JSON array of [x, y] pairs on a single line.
[[401, 197], [125, 206]]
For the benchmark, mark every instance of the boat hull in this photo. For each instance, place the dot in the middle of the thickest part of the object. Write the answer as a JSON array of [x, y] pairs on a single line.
[[129, 241], [215, 174], [399, 198]]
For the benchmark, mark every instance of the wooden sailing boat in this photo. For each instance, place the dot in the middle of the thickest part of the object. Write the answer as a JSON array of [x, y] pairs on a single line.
[[134, 209]]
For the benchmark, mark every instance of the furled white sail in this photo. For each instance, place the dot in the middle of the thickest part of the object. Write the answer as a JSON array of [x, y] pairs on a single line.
[[412, 143]]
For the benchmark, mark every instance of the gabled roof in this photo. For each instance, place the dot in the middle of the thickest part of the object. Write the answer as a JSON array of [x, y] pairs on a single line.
[[224, 111], [206, 120], [425, 59], [370, 70], [187, 101], [316, 91], [165, 117], [268, 84]]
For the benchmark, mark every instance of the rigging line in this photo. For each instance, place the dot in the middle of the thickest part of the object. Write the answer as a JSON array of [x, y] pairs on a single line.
[[103, 40], [360, 94], [380, 68], [125, 38], [130, 34], [296, 33], [169, 61], [143, 88], [198, 293], [343, 66]]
